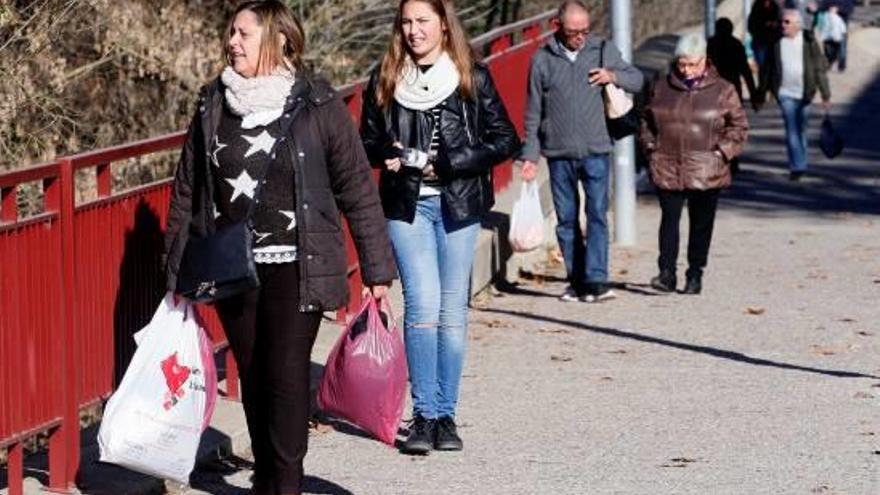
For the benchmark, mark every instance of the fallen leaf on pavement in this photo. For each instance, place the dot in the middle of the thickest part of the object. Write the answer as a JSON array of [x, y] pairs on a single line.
[[618, 351], [678, 462], [863, 395], [825, 350], [622, 271], [563, 359], [553, 330], [864, 333], [847, 320], [607, 379], [755, 310]]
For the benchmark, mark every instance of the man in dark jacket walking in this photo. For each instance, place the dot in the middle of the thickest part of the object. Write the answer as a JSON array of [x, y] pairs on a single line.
[[794, 70], [565, 122]]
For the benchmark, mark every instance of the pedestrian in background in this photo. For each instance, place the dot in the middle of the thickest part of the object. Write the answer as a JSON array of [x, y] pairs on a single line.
[[434, 122], [763, 24], [794, 71], [831, 31], [694, 125], [266, 117], [728, 56], [565, 122], [845, 10]]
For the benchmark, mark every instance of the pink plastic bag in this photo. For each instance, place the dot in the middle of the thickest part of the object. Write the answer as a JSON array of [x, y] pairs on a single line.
[[365, 377]]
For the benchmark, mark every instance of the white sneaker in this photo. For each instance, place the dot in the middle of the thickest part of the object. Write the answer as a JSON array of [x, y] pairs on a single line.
[[604, 294], [569, 295]]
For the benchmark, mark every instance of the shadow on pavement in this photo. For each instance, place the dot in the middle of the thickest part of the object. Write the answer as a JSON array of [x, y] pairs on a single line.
[[710, 351]]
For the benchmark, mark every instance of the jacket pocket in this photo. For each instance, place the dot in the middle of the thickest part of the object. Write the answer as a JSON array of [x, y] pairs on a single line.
[[705, 170]]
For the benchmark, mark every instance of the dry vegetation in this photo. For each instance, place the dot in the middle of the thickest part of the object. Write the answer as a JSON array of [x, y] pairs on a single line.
[[84, 74]]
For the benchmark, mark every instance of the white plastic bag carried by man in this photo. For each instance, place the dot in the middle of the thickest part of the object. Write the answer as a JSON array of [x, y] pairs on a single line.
[[154, 421], [527, 220]]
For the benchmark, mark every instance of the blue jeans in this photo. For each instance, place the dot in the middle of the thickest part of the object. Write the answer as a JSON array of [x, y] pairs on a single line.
[[795, 114], [584, 264], [434, 256]]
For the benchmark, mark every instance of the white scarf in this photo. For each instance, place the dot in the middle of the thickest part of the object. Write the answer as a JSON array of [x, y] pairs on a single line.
[[258, 100], [422, 91]]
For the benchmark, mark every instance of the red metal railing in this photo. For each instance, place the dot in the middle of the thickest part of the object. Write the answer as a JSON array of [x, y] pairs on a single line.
[[78, 279]]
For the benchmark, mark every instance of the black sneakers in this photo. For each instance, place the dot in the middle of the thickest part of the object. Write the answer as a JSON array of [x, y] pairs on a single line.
[[446, 436], [421, 436], [664, 282]]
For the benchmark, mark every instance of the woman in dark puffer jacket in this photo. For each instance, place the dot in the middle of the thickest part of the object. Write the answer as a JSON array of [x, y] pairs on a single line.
[[433, 121], [264, 114], [694, 125]]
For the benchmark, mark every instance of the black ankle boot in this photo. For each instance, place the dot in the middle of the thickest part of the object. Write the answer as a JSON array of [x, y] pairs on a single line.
[[665, 281], [694, 285]]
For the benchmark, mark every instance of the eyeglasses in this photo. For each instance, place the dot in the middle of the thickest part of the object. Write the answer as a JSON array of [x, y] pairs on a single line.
[[574, 33]]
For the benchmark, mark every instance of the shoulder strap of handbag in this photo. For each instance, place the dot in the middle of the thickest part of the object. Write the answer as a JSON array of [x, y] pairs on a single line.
[[602, 55], [270, 159]]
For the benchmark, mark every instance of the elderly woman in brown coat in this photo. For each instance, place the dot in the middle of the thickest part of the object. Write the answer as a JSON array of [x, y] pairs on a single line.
[[694, 125]]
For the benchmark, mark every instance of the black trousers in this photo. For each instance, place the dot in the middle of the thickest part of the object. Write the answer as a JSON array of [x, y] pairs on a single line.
[[701, 212], [272, 344]]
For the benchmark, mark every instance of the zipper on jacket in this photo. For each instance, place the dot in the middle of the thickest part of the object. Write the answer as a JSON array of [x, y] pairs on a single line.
[[467, 128]]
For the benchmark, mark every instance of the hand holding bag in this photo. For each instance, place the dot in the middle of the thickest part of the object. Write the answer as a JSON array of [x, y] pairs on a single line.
[[365, 376], [527, 220], [621, 116], [154, 420]]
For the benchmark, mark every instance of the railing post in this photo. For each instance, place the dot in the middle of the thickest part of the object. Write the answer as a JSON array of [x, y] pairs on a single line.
[[8, 204], [68, 433], [15, 469], [104, 179], [500, 44]]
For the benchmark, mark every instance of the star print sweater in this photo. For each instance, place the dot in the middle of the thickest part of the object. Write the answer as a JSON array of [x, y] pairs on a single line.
[[239, 157]]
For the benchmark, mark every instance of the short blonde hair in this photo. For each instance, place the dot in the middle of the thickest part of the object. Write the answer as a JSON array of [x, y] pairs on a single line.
[[690, 45]]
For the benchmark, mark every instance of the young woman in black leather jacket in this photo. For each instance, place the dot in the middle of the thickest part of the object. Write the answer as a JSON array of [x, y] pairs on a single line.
[[433, 122]]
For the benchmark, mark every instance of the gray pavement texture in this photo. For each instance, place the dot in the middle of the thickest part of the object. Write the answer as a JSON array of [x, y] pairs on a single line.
[[767, 383]]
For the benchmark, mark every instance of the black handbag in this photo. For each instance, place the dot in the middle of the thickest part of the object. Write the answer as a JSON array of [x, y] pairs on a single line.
[[830, 140], [626, 125], [221, 264]]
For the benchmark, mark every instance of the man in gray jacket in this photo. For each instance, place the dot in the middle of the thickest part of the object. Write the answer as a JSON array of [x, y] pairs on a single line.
[[565, 122]]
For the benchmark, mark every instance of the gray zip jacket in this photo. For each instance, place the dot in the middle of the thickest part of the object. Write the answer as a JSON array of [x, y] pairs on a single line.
[[565, 116]]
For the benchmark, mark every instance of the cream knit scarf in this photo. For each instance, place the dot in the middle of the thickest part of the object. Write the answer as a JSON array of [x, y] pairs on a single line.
[[258, 100], [419, 90]]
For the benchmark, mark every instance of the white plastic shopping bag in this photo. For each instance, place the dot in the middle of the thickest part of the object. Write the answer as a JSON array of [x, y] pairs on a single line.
[[154, 421], [527, 220]]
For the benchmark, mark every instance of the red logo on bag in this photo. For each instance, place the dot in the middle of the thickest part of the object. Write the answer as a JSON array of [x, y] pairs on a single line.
[[175, 376]]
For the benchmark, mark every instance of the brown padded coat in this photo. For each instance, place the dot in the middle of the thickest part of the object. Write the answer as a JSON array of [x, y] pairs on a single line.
[[690, 135], [332, 176]]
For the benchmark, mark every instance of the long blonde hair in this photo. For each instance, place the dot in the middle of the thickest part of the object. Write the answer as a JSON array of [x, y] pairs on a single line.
[[455, 43], [275, 18]]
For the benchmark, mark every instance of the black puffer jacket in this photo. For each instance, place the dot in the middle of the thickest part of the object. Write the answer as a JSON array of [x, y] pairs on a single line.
[[331, 175], [475, 136]]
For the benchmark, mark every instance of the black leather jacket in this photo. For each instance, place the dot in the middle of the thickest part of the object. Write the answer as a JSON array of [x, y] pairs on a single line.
[[475, 136]]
